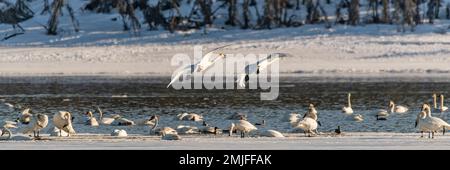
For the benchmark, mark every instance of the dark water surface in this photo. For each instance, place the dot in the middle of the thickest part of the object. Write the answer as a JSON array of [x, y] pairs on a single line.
[[139, 97]]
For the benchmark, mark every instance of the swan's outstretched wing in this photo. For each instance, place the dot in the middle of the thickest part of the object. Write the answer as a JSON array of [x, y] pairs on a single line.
[[218, 48], [264, 63], [178, 74], [209, 59]]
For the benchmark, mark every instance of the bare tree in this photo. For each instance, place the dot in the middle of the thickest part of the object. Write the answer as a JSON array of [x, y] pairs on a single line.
[[373, 8], [354, 12], [13, 14], [386, 17], [232, 12], [56, 11], [246, 14]]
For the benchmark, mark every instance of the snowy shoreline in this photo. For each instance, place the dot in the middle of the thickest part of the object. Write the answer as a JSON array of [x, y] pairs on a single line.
[[349, 141]]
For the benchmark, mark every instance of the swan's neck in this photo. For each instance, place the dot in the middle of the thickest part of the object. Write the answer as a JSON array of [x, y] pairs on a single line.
[[392, 107], [442, 102], [435, 101], [428, 113], [349, 101], [313, 116]]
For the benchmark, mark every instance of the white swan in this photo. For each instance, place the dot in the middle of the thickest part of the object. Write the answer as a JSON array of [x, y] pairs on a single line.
[[38, 122], [348, 109], [255, 68], [397, 108], [308, 124], [358, 118], [270, 133], [147, 122], [431, 123], [311, 113], [119, 133], [106, 120], [422, 114], [170, 136], [292, 118], [25, 116], [190, 117], [9, 124], [57, 132], [120, 121], [382, 113], [183, 129], [442, 107], [63, 121], [5, 128], [207, 61], [242, 126], [91, 120]]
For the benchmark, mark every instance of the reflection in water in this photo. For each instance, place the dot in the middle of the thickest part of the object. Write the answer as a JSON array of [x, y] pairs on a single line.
[[143, 96]]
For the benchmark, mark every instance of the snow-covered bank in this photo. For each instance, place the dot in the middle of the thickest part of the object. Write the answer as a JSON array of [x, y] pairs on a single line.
[[102, 48], [353, 141], [403, 54]]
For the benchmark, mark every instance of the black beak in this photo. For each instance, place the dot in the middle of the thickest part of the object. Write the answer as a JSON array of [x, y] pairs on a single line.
[[318, 122]]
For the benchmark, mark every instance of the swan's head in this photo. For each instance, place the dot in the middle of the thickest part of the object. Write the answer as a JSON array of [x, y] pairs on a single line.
[[221, 55], [89, 114], [311, 105], [242, 117], [391, 103], [425, 107]]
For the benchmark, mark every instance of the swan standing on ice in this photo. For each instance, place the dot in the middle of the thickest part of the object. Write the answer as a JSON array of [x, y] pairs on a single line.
[[5, 128], [442, 107], [422, 114], [190, 117], [308, 124], [348, 109], [242, 126], [312, 113], [63, 121], [119, 133], [397, 108], [431, 123], [255, 68], [38, 122], [207, 61]]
